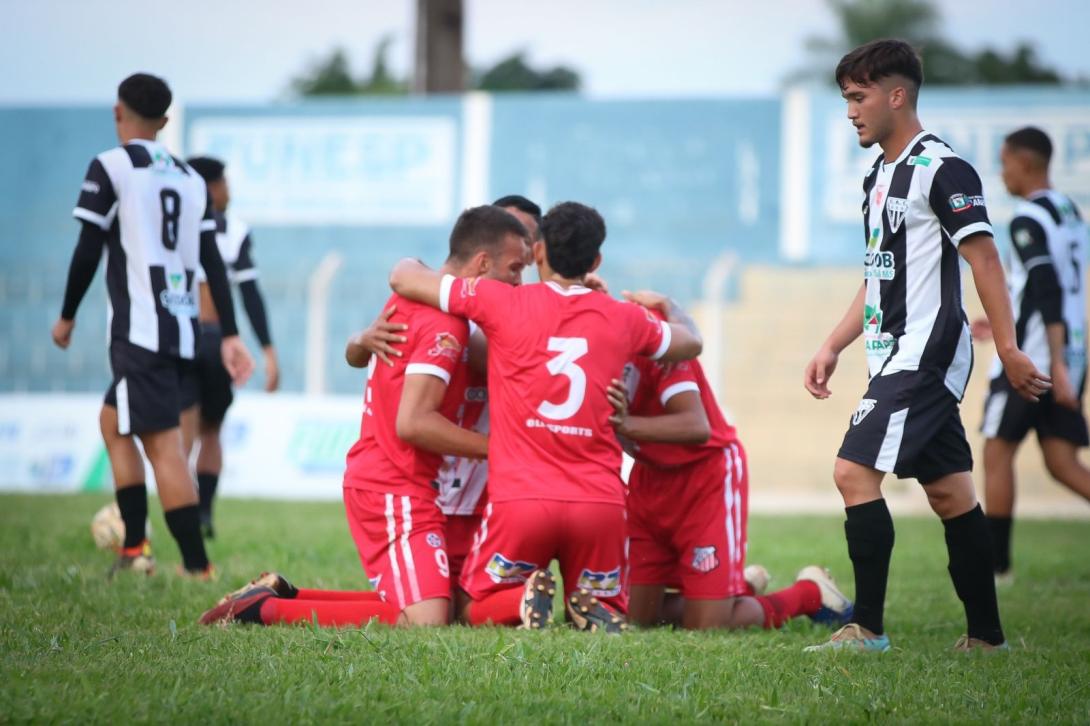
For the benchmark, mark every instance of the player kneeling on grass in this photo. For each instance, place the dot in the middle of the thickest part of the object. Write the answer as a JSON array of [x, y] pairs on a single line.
[[688, 507], [408, 425], [555, 490]]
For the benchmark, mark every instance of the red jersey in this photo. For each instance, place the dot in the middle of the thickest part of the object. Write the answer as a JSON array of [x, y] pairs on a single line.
[[437, 346], [650, 385], [551, 355]]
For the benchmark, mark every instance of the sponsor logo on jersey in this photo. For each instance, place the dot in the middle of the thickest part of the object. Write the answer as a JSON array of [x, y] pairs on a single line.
[[919, 161], [477, 394], [895, 212], [879, 264], [878, 194], [469, 287], [446, 346], [705, 559], [601, 584], [1022, 237], [434, 540], [502, 569], [874, 340], [376, 582], [961, 202], [865, 406], [90, 187], [872, 319], [534, 423]]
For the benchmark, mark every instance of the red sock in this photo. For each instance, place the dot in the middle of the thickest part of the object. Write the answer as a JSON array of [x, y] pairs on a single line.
[[338, 595], [327, 612], [500, 608], [802, 598]]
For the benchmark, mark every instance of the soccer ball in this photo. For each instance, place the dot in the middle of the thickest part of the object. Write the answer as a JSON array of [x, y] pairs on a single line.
[[108, 529]]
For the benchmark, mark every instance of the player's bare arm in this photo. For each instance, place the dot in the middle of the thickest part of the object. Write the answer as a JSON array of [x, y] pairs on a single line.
[[413, 279], [821, 367], [1063, 391], [420, 424], [991, 284], [686, 342], [376, 339], [685, 420]]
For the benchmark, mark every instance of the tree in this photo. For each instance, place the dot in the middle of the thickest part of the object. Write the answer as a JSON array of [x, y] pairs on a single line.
[[332, 76], [515, 74]]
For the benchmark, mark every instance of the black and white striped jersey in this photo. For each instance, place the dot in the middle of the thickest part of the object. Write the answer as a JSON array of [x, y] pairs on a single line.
[[1049, 245], [153, 208], [236, 249], [917, 210]]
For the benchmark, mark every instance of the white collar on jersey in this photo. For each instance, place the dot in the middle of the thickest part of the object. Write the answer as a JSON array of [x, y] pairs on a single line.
[[573, 290], [905, 151]]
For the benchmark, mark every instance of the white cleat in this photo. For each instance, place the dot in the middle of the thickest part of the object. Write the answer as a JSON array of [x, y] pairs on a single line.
[[836, 608]]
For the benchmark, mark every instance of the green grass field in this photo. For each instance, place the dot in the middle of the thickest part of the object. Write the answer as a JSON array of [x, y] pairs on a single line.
[[78, 648]]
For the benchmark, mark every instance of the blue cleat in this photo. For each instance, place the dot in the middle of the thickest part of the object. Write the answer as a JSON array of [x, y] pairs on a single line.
[[852, 638]]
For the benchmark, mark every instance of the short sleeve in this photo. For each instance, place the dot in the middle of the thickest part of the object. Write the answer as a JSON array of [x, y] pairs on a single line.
[[650, 337], [438, 346], [243, 268], [208, 219], [1030, 242], [957, 199], [675, 378], [481, 300], [97, 201]]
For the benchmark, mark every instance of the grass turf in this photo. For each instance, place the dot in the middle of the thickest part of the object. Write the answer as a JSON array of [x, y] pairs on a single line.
[[76, 647]]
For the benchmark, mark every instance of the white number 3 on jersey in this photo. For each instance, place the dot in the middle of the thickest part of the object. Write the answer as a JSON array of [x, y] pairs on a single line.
[[569, 350]]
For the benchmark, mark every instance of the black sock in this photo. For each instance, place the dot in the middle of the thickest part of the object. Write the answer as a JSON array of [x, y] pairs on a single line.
[[133, 503], [185, 526], [1000, 528], [869, 530], [206, 487], [969, 546]]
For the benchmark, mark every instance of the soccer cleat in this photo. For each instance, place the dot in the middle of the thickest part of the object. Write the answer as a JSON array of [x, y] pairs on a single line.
[[272, 580], [136, 559], [836, 608], [1004, 579], [757, 577], [587, 612], [966, 644], [854, 639], [536, 608], [246, 608]]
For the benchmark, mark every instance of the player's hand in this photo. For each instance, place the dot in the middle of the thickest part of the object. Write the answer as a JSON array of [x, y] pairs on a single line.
[[236, 359], [617, 395], [981, 329], [1029, 382], [1062, 390], [649, 299], [272, 370], [595, 282], [62, 332], [818, 372], [381, 334]]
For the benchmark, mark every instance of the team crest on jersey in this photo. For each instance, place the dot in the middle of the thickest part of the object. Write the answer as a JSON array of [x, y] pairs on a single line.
[[446, 346], [865, 406], [434, 540], [1022, 237], [601, 584], [895, 212], [705, 559], [919, 161], [469, 287], [502, 569]]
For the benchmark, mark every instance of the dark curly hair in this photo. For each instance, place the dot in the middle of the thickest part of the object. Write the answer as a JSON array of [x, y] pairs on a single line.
[[573, 234], [147, 95], [878, 59]]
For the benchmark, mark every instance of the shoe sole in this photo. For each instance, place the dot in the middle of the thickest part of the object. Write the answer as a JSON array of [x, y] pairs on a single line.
[[272, 580], [587, 613], [537, 601], [224, 612]]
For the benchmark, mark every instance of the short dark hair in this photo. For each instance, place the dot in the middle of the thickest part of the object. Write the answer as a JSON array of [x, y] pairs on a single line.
[[210, 169], [147, 95], [878, 59], [524, 205], [1032, 139], [482, 227], [573, 235]]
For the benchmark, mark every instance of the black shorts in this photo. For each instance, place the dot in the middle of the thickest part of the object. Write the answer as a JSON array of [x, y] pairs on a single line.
[[908, 423], [1010, 417], [213, 381], [149, 390]]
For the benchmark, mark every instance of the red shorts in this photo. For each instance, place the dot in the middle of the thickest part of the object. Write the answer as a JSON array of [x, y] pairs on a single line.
[[688, 525], [401, 541], [516, 538], [461, 529]]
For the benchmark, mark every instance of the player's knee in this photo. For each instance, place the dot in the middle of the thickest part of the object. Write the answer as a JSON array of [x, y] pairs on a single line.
[[434, 612], [850, 480]]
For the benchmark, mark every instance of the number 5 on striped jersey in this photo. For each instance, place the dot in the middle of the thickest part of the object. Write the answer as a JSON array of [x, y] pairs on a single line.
[[569, 350]]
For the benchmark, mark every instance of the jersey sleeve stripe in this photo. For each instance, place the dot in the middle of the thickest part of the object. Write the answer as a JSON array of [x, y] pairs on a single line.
[[667, 334], [1037, 262], [242, 275], [208, 225], [444, 293], [971, 229], [427, 369], [679, 387], [93, 217]]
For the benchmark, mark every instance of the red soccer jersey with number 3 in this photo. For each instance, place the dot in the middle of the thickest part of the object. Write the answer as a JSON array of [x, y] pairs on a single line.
[[552, 352]]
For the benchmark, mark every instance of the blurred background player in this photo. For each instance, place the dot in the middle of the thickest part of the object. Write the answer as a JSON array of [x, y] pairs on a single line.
[[688, 495], [924, 207], [152, 214], [214, 383], [1049, 244], [554, 463], [411, 409]]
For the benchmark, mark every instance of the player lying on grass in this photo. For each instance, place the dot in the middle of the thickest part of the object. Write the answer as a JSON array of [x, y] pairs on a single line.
[[554, 462], [688, 497], [408, 424]]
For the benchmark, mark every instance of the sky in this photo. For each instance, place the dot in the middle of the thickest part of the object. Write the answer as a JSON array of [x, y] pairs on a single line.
[[76, 51]]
